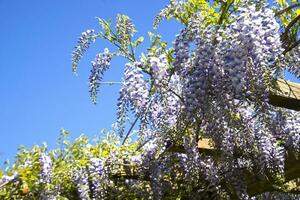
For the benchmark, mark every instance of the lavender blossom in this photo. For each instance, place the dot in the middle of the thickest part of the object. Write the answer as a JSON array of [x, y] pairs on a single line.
[[46, 168], [45, 178], [182, 54], [292, 131], [159, 66], [83, 44], [125, 28], [174, 6], [135, 90], [291, 61], [96, 172], [100, 65], [82, 185]]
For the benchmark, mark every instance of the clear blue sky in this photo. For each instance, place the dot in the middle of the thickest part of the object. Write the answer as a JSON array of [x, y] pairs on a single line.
[[39, 94]]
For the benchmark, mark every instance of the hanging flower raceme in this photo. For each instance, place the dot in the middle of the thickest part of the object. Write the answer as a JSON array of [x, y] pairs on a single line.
[[255, 36], [259, 33], [46, 178], [182, 53], [134, 95], [98, 178], [291, 61], [46, 168], [135, 90], [165, 107], [196, 89], [125, 28], [165, 111], [159, 67], [99, 66], [292, 131], [83, 44], [82, 184]]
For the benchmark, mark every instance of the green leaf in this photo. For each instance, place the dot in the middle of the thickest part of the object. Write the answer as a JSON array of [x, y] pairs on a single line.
[[137, 42]]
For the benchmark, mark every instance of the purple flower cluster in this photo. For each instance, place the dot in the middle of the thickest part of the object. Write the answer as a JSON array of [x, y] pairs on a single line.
[[125, 28], [291, 61], [259, 34], [99, 66], [196, 87], [46, 178], [165, 105], [258, 40], [83, 44], [169, 10], [292, 131], [81, 179], [97, 176], [46, 168], [159, 66], [164, 111], [182, 53], [134, 92]]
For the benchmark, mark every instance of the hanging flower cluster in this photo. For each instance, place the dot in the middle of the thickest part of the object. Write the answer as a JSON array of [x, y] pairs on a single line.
[[125, 28], [99, 66], [46, 165], [83, 44]]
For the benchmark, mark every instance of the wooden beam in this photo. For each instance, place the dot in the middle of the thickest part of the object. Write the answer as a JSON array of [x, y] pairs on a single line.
[[285, 94]]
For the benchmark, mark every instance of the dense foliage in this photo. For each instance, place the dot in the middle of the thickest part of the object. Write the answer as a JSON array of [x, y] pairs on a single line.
[[213, 82]]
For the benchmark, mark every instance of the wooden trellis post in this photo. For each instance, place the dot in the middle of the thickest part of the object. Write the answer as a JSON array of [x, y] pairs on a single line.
[[287, 95]]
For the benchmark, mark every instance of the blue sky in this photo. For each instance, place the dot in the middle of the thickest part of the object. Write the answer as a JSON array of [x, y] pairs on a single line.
[[39, 94]]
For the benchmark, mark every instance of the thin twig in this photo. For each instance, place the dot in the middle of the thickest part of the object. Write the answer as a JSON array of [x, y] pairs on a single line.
[[289, 26], [7, 182], [130, 129], [172, 91], [287, 9], [109, 83], [147, 109], [143, 144], [291, 47], [291, 90], [223, 13]]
